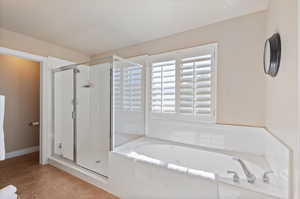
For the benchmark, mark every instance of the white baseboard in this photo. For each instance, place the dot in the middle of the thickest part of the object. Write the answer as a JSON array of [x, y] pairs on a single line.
[[22, 152]]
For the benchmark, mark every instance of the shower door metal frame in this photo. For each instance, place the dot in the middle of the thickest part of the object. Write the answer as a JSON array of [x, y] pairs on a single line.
[[74, 107], [112, 130], [111, 133], [75, 69], [74, 114]]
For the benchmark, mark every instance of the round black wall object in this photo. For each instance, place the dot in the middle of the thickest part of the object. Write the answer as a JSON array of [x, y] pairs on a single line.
[[272, 55]]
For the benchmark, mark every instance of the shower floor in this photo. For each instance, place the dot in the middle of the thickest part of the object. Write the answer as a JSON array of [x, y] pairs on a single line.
[[45, 182]]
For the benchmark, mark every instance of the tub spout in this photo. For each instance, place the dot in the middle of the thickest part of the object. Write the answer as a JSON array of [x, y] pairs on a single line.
[[250, 177]]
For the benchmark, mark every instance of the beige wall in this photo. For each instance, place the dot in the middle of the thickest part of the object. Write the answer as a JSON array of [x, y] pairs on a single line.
[[17, 41], [241, 84], [245, 95], [19, 83], [281, 95]]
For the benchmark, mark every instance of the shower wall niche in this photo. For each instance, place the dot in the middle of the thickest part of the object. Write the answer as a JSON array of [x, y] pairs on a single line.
[[97, 105]]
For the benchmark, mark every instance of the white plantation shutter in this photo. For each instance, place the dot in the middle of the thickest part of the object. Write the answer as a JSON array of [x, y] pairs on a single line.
[[183, 83], [195, 86], [163, 83], [132, 88], [117, 86], [128, 88]]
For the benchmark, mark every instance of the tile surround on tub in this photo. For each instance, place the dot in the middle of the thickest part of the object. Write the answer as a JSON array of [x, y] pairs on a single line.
[[225, 137], [179, 158], [231, 192], [140, 180], [278, 156], [241, 139]]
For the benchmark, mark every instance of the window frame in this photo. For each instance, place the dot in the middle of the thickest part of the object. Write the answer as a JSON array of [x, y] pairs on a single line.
[[178, 55]]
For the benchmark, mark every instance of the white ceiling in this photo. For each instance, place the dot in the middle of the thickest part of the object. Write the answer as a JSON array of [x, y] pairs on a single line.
[[95, 26]]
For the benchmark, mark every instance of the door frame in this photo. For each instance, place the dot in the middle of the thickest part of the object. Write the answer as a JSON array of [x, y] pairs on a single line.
[[45, 102]]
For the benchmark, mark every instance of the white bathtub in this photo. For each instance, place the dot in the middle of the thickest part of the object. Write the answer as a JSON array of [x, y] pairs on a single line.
[[195, 159], [205, 164]]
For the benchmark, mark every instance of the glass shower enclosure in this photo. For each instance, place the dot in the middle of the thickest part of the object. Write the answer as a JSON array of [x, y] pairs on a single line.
[[98, 105]]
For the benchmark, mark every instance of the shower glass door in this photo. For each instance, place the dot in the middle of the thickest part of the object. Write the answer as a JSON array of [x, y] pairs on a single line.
[[93, 117], [128, 101], [63, 111], [98, 105]]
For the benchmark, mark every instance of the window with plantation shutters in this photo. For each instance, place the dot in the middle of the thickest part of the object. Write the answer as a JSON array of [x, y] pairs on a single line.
[[132, 88], [183, 84], [195, 86], [117, 86], [128, 85], [163, 77]]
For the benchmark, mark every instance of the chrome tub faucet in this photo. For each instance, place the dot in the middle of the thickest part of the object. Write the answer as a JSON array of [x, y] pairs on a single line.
[[236, 177], [266, 178], [250, 177]]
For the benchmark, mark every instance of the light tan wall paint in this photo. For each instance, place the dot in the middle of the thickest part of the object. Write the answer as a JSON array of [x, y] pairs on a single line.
[[19, 83], [241, 84], [281, 95], [17, 41]]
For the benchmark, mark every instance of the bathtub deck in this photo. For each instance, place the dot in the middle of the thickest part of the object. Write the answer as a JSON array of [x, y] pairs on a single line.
[[216, 172], [129, 147]]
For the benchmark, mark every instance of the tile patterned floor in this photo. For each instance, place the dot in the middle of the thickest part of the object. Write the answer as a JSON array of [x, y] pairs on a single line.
[[45, 182]]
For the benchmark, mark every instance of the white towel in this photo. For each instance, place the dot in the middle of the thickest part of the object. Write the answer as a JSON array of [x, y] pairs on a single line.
[[8, 192], [2, 146]]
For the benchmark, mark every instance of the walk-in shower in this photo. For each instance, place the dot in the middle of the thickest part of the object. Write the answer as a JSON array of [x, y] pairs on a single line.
[[97, 105]]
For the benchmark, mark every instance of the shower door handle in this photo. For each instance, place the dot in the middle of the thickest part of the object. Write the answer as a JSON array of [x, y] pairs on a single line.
[[88, 85]]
